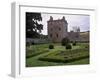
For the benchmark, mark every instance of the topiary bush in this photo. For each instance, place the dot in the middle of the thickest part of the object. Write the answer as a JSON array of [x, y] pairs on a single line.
[[65, 41], [74, 43], [68, 46], [51, 46]]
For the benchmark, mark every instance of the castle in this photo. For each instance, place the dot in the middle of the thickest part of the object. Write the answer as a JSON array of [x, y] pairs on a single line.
[[58, 29]]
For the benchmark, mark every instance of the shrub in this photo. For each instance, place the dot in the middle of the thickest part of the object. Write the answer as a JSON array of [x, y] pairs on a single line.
[[33, 43], [74, 43], [68, 46], [51, 46], [28, 44], [87, 46], [65, 41]]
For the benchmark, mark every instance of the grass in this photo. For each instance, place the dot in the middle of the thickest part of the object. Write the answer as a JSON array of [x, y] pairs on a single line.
[[42, 51], [36, 50]]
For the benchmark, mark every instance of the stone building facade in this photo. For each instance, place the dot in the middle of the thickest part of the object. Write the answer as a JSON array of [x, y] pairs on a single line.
[[58, 29]]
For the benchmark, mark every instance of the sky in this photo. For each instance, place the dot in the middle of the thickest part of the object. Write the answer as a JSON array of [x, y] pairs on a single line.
[[82, 21]]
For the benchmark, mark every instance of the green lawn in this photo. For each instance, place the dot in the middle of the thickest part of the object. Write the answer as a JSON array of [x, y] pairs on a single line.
[[36, 52]]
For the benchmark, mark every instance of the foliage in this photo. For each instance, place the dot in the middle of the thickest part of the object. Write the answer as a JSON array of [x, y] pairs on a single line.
[[34, 50], [31, 54], [33, 27], [65, 41], [33, 43], [79, 54], [74, 43], [68, 46], [51, 46], [28, 44], [66, 56]]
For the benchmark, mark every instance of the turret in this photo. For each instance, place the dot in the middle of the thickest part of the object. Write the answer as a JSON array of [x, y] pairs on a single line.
[[51, 18], [63, 18], [78, 29]]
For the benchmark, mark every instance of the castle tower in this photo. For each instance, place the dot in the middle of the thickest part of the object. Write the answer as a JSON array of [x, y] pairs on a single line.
[[57, 29]]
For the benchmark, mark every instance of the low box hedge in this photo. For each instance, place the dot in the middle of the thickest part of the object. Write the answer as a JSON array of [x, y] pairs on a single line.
[[28, 55], [68, 57], [62, 60]]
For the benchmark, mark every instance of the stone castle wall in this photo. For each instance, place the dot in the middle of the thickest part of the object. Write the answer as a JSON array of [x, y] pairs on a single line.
[[58, 29]]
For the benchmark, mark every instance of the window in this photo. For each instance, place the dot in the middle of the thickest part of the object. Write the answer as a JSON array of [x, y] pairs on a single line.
[[50, 35], [59, 29], [57, 35]]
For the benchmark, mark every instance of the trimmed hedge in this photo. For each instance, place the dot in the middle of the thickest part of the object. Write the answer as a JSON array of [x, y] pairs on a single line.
[[51, 59], [35, 54], [70, 55], [62, 60]]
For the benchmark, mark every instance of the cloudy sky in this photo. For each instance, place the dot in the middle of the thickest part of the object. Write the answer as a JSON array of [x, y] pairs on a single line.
[[82, 21]]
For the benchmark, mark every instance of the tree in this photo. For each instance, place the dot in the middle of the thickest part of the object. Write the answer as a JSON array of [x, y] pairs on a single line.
[[33, 26]]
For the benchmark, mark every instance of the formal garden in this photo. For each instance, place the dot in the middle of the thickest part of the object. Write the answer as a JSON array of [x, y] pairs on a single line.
[[53, 54], [42, 51]]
